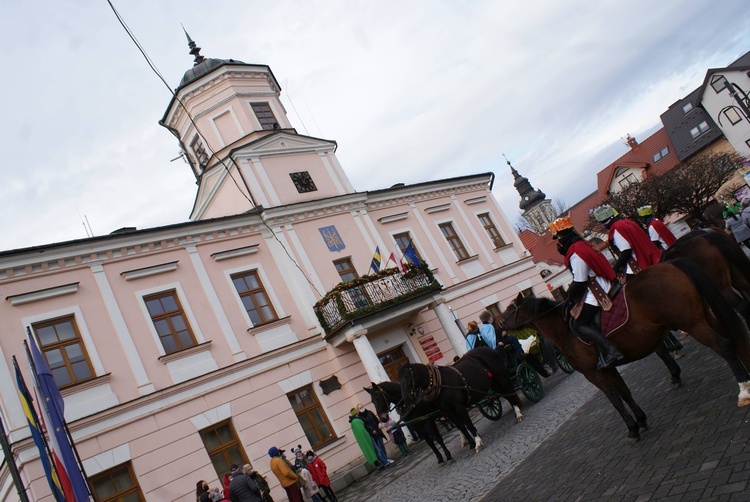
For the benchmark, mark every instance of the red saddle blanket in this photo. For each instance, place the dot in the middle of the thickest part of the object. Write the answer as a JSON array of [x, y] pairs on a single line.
[[615, 317]]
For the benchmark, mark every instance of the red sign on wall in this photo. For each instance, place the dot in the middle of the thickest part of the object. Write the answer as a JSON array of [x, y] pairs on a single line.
[[430, 347]]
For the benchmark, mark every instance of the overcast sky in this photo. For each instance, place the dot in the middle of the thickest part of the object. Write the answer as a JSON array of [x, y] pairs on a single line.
[[411, 92]]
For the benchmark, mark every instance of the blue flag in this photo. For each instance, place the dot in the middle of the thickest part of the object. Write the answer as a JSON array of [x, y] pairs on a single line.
[[375, 263], [411, 255]]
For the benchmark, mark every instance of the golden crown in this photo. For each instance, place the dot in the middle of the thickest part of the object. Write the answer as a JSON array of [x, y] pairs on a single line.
[[645, 211], [560, 224]]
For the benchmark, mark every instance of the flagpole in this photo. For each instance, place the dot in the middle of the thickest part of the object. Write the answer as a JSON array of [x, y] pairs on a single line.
[[64, 422], [12, 467]]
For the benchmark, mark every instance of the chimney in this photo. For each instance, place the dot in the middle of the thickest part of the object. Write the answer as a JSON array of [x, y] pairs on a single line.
[[632, 142]]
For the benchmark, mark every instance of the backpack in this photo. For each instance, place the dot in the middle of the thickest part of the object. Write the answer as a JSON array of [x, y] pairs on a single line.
[[479, 342]]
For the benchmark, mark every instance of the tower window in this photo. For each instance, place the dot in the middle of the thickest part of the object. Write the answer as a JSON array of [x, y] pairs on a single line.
[[265, 116], [200, 152]]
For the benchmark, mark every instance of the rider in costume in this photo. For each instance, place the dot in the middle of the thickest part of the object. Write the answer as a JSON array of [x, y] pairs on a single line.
[[585, 263], [626, 236], [657, 230]]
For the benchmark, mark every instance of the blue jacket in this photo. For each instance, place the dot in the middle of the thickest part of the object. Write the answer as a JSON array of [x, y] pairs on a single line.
[[487, 332]]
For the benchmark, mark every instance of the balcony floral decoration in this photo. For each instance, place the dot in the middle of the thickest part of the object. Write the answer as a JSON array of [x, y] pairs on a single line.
[[370, 293]]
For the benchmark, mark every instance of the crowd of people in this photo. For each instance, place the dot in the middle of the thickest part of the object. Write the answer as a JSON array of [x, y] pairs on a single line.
[[306, 479]]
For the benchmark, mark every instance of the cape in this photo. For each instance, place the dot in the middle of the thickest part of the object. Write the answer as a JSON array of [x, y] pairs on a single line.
[[594, 259], [645, 251], [364, 440], [666, 234]]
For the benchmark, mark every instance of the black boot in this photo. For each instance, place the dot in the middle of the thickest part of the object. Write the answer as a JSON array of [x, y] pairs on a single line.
[[611, 353]]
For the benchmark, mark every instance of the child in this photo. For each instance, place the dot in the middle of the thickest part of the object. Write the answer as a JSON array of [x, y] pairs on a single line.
[[319, 473], [398, 437], [310, 490]]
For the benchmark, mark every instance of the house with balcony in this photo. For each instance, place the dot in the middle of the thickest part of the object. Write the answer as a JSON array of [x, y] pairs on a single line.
[[182, 349]]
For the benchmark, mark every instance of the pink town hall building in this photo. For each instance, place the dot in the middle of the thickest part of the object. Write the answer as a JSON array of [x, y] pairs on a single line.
[[182, 349]]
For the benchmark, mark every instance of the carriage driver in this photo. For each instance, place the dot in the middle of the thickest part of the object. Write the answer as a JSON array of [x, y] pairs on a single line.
[[585, 263]]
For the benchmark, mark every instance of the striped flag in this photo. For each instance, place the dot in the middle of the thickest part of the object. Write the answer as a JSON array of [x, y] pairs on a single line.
[[375, 263], [71, 478], [36, 432], [396, 258]]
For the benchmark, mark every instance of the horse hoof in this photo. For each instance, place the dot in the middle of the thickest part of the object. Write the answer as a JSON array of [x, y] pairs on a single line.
[[633, 441], [519, 419], [676, 385]]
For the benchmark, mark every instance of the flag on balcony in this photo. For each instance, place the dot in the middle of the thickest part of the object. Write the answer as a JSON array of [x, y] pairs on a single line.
[[375, 263], [411, 254], [27, 404], [69, 473], [396, 258]]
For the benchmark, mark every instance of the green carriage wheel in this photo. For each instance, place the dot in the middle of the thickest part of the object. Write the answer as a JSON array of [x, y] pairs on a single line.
[[531, 384], [492, 408], [564, 365]]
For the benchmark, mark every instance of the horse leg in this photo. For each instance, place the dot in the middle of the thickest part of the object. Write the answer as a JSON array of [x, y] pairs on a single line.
[[723, 347], [606, 381], [671, 364], [439, 438], [454, 416], [515, 403], [476, 443], [624, 392]]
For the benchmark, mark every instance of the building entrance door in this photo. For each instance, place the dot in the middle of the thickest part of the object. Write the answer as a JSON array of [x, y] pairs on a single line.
[[391, 360]]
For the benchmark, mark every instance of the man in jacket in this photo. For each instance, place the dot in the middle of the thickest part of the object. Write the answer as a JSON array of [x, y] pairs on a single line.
[[242, 488], [286, 476]]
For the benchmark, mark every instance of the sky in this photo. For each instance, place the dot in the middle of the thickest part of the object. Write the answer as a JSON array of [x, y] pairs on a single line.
[[410, 91]]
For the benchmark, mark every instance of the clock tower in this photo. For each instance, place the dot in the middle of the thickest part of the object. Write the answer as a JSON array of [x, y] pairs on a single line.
[[537, 210], [243, 151]]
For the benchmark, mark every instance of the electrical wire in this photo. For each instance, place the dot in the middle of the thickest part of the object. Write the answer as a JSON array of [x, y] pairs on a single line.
[[152, 65]]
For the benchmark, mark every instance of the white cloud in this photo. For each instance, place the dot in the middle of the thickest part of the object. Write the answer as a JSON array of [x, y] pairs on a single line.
[[410, 91]]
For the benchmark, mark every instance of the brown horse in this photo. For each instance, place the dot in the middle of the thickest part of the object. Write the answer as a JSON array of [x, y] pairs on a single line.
[[723, 261], [662, 297]]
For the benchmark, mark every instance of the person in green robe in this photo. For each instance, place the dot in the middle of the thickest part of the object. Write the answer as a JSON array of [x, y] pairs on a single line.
[[363, 439]]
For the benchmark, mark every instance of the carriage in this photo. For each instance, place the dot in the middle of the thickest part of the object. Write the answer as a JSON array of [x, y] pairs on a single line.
[[525, 378]]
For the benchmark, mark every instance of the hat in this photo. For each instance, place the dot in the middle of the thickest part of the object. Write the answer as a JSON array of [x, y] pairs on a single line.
[[353, 412], [645, 211], [560, 224], [604, 213], [233, 468], [273, 452]]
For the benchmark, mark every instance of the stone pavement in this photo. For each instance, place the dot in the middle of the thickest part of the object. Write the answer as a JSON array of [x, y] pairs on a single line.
[[572, 445]]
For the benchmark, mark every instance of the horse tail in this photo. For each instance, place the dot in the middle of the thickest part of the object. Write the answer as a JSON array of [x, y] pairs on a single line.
[[734, 328], [732, 251]]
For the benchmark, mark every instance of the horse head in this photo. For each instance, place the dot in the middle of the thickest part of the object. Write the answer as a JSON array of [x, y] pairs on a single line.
[[513, 317], [380, 399]]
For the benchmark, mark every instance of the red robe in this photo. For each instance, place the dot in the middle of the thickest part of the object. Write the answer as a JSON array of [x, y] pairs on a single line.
[[666, 234], [594, 259], [645, 251]]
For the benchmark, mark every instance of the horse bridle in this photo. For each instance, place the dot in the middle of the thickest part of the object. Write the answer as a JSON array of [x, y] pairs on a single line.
[[384, 396]]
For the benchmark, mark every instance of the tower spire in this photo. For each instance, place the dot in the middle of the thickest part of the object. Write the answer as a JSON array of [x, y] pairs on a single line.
[[529, 196], [194, 49]]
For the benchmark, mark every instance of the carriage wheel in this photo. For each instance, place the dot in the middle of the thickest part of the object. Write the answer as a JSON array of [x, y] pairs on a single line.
[[531, 384], [567, 368], [492, 408]]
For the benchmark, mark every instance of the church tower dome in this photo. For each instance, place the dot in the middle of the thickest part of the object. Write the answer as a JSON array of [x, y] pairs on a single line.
[[536, 209]]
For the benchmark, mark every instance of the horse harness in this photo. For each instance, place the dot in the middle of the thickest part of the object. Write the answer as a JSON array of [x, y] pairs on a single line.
[[435, 384]]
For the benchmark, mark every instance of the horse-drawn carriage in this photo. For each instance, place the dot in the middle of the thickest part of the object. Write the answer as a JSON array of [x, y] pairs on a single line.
[[524, 377]]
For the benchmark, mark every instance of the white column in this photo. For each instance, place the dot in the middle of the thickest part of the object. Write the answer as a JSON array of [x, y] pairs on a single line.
[[449, 326], [369, 358]]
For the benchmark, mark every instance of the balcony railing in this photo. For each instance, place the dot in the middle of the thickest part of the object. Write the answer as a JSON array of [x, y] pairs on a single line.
[[370, 293]]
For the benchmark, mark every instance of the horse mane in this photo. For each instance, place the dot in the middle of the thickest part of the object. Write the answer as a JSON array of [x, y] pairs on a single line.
[[538, 306]]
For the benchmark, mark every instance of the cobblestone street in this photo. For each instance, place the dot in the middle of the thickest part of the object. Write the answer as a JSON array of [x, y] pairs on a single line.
[[572, 445]]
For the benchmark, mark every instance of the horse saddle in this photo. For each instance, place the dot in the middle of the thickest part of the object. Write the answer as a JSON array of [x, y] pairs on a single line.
[[617, 315]]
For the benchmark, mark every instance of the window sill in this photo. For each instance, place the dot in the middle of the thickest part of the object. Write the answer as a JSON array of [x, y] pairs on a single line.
[[86, 385], [467, 260], [504, 246], [338, 441], [168, 358], [253, 330]]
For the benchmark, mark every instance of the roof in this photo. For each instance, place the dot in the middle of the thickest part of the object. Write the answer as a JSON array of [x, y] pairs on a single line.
[[642, 155]]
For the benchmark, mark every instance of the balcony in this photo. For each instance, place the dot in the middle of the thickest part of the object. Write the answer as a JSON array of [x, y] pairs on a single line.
[[372, 293]]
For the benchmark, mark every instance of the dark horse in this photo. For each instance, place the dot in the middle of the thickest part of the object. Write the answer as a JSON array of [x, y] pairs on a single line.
[[722, 260], [662, 297], [453, 388], [421, 417]]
